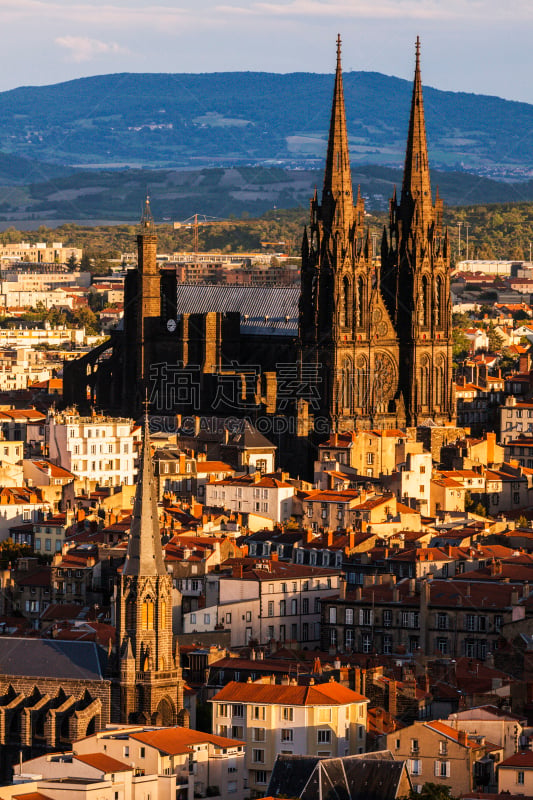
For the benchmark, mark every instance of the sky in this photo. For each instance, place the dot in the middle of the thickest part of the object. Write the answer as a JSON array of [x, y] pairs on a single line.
[[481, 46]]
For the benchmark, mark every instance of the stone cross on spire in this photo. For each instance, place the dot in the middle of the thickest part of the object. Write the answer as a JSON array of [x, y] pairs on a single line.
[[416, 187], [337, 196], [145, 553]]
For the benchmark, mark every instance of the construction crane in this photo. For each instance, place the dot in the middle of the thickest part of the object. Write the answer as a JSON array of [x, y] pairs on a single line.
[[194, 222]]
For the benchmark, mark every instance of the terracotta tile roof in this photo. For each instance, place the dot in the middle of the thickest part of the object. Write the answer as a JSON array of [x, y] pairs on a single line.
[[322, 694], [32, 796], [213, 466], [375, 502], [331, 496], [103, 762], [450, 733], [523, 759], [181, 740]]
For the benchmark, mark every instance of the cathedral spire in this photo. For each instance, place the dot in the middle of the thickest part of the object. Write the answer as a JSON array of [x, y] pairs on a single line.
[[337, 196], [145, 554], [416, 187]]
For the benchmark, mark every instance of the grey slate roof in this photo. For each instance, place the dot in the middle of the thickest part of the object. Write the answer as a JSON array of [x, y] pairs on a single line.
[[51, 658], [372, 776], [264, 309]]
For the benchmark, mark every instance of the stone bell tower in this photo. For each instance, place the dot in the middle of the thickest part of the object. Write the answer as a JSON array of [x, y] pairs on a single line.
[[148, 681]]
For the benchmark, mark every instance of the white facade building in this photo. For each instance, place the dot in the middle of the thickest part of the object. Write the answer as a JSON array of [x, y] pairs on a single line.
[[263, 494], [97, 448]]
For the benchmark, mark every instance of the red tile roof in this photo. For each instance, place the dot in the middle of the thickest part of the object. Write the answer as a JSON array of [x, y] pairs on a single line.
[[523, 759], [322, 694], [103, 762], [181, 740]]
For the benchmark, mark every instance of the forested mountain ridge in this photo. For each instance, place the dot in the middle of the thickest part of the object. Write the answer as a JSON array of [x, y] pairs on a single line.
[[246, 117]]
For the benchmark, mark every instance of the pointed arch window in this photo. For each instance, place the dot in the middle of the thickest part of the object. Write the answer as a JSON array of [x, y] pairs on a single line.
[[439, 302], [360, 301], [346, 301], [347, 385], [425, 302], [147, 618]]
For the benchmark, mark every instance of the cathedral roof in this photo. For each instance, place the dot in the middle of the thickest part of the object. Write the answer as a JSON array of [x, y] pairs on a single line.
[[263, 309], [46, 658], [145, 553]]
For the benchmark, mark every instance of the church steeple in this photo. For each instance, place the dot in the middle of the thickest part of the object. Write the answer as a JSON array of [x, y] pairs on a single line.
[[337, 196], [416, 187], [145, 554]]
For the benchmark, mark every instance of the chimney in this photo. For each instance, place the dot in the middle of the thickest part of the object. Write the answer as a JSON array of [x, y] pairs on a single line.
[[237, 571], [197, 425], [461, 738], [351, 540], [274, 556], [342, 587], [393, 698], [363, 682], [308, 535], [329, 538]]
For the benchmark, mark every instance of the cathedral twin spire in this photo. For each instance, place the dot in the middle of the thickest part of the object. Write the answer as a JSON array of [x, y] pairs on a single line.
[[337, 196], [416, 186]]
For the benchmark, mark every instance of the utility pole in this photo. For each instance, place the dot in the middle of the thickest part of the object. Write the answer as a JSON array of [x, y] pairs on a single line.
[[459, 241], [467, 226]]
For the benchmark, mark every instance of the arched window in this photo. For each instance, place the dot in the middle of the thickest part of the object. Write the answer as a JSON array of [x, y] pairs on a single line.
[[425, 300], [148, 615], [439, 302], [360, 301], [361, 383], [346, 302], [425, 381], [347, 385]]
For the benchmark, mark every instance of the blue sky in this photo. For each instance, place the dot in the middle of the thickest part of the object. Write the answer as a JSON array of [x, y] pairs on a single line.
[[481, 46]]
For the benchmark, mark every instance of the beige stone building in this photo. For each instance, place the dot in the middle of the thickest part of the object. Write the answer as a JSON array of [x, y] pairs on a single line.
[[324, 720], [437, 753], [515, 774]]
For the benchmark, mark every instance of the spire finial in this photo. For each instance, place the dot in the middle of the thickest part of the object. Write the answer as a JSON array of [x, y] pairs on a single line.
[[147, 219], [339, 43], [417, 49]]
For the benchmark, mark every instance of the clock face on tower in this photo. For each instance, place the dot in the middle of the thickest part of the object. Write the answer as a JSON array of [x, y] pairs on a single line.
[[171, 325]]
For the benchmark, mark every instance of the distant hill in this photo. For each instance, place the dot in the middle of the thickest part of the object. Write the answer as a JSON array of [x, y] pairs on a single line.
[[117, 195], [165, 120]]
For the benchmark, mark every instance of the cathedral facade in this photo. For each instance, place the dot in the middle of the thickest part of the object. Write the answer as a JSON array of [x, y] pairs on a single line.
[[365, 343]]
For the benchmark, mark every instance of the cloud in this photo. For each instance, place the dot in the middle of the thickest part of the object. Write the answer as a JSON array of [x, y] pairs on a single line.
[[387, 9], [81, 48]]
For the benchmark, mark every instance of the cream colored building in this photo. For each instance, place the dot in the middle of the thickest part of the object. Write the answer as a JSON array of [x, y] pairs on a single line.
[[437, 753], [202, 764], [40, 252], [324, 720], [515, 774]]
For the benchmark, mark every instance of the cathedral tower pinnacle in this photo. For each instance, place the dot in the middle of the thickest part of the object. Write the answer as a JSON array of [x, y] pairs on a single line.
[[337, 195], [416, 187]]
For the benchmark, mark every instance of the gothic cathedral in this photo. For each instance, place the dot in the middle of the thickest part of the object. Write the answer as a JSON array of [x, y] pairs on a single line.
[[377, 336]]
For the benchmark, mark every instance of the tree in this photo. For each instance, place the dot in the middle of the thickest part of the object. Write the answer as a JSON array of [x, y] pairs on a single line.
[[72, 263], [460, 344], [522, 522], [495, 339], [432, 791], [480, 510]]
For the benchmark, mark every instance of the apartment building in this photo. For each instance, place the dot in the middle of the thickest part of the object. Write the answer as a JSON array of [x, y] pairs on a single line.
[[516, 420], [515, 774], [451, 617], [437, 753], [369, 452], [270, 600], [136, 763], [268, 495], [323, 720], [97, 448]]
